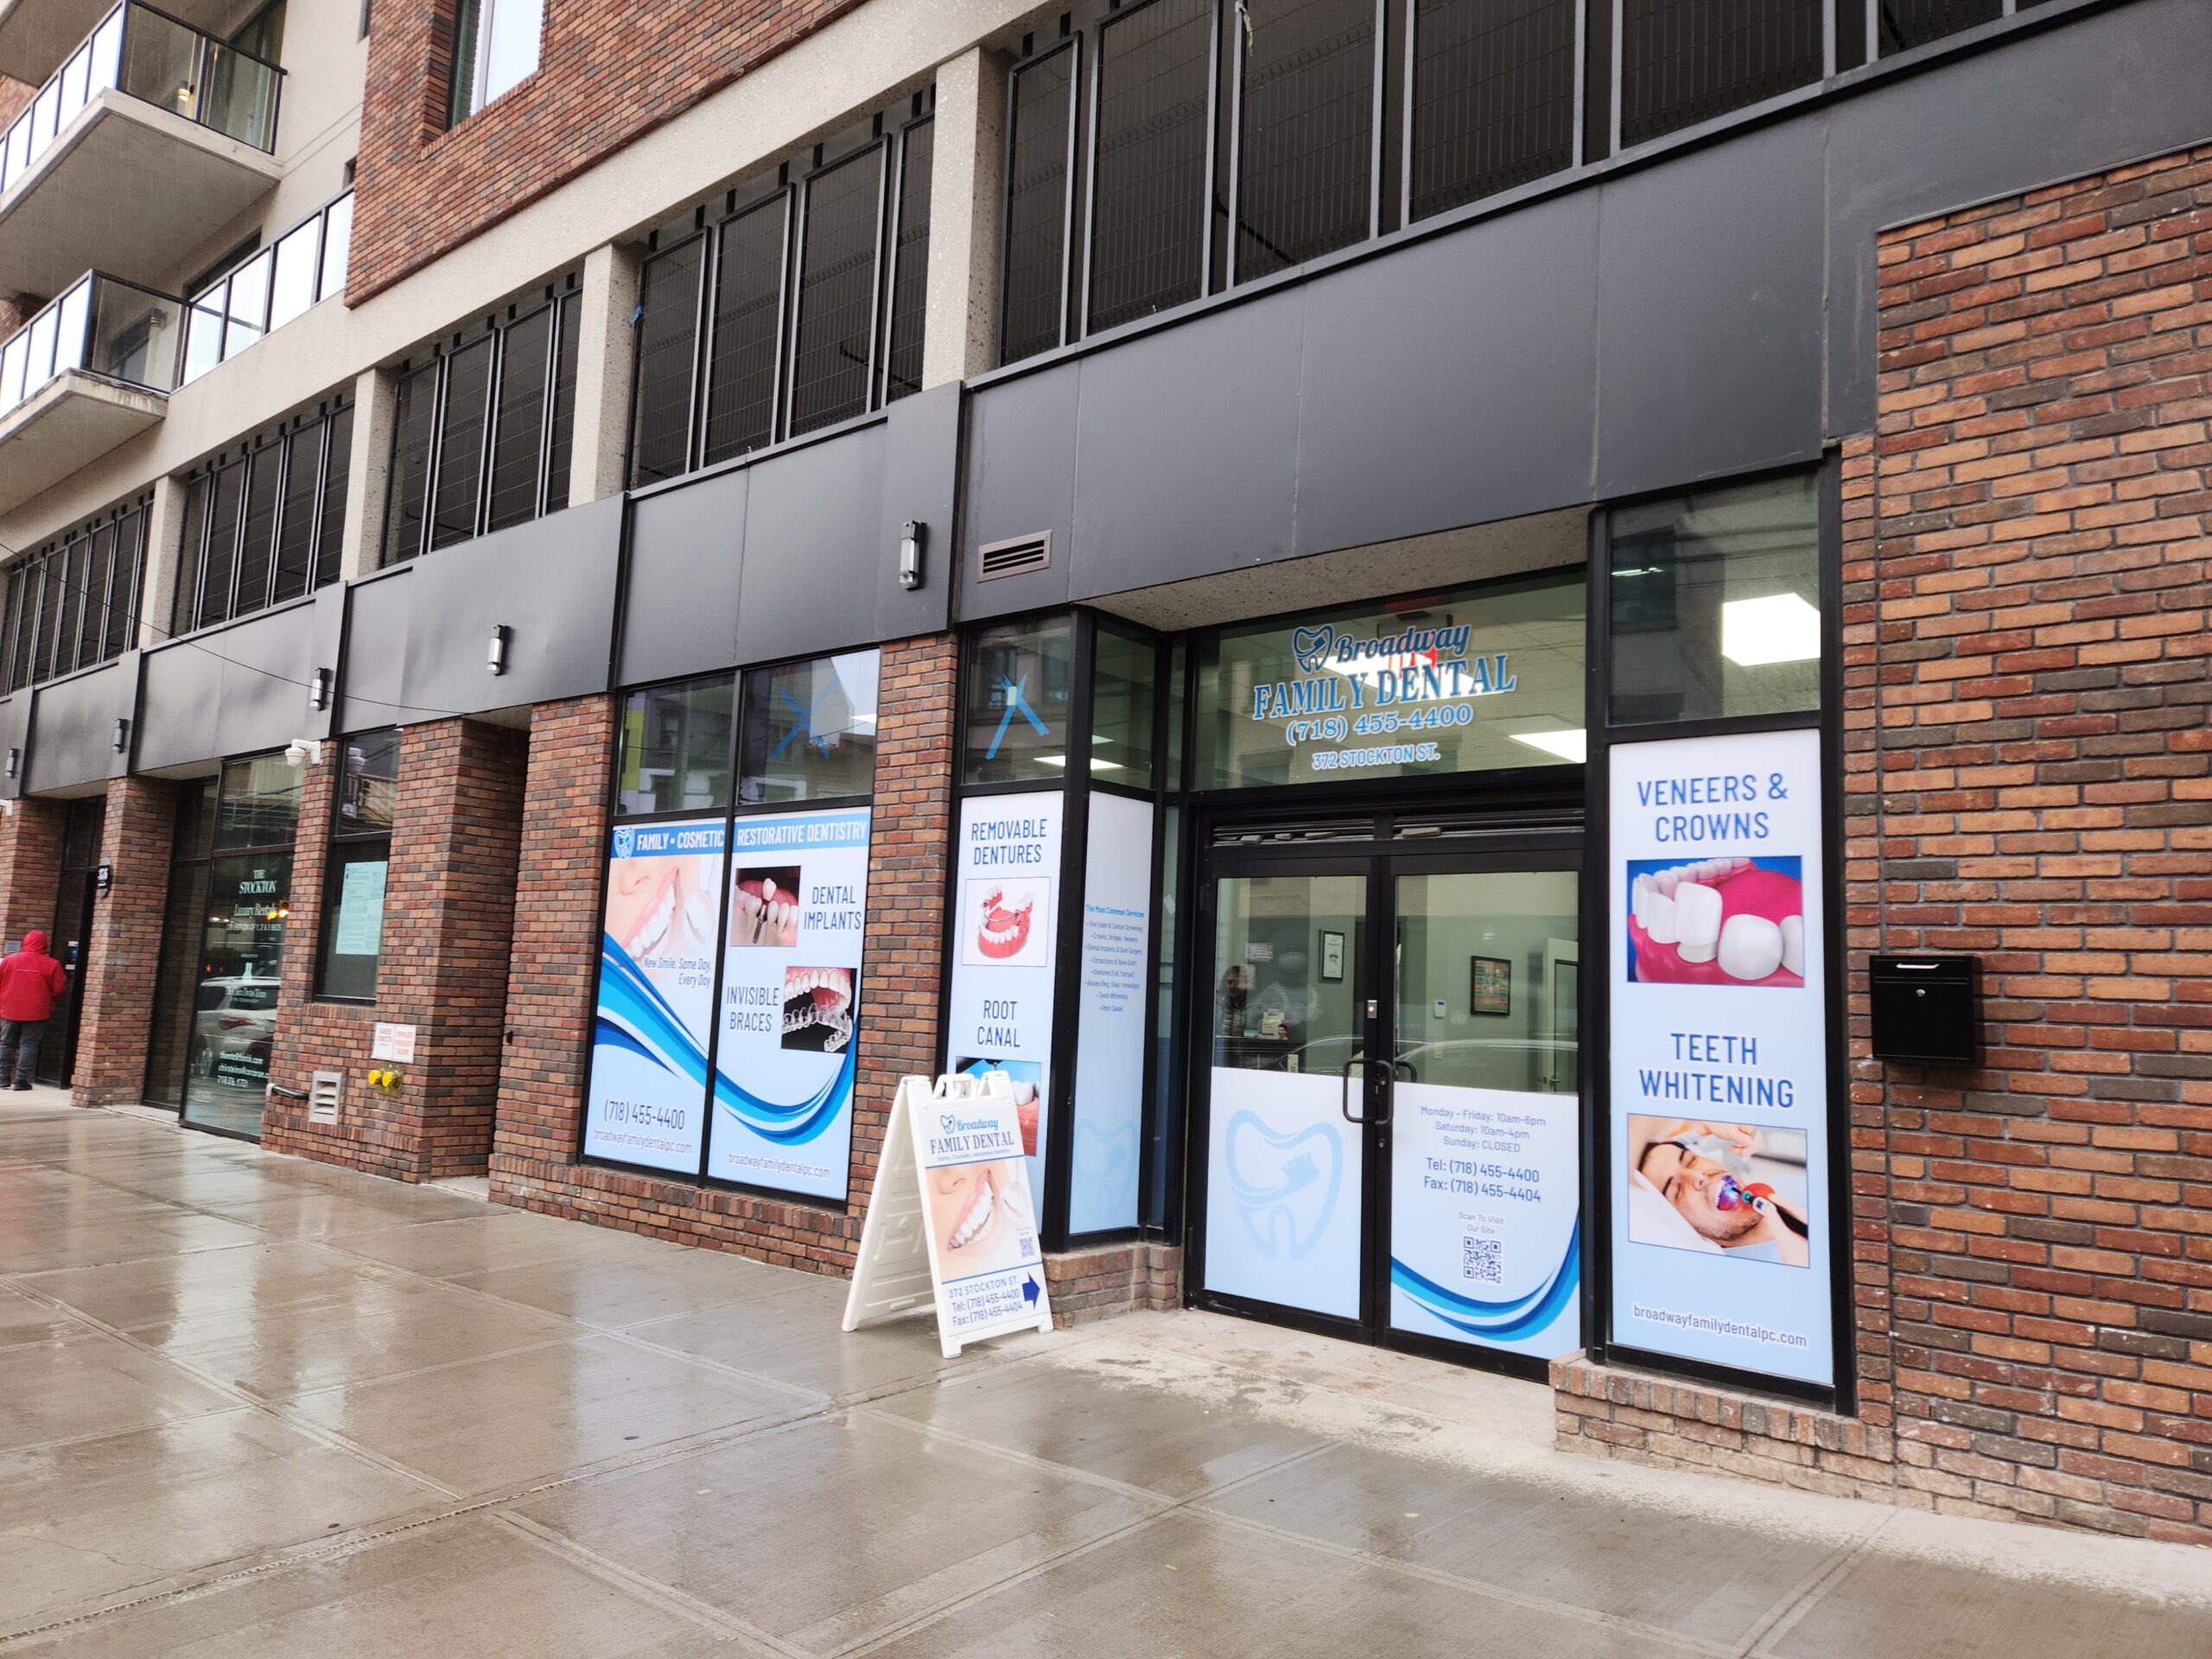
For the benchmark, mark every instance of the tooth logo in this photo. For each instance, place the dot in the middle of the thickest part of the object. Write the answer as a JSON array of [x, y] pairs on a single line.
[[1285, 1184], [1310, 646], [626, 842]]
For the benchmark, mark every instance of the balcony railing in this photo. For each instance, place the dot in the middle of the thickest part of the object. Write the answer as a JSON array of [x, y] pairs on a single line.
[[159, 60], [303, 266], [101, 325]]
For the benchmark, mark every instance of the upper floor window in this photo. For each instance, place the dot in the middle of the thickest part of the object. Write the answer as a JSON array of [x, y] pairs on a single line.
[[484, 428], [495, 48], [75, 601], [264, 522], [799, 306]]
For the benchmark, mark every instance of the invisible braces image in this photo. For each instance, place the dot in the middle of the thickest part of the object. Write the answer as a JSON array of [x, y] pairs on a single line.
[[824, 997], [1718, 921]]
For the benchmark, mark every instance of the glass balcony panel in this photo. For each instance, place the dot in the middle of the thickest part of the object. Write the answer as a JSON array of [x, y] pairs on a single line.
[[203, 347], [70, 312], [46, 112], [76, 79], [292, 289], [133, 332], [41, 367], [239, 97], [107, 51], [337, 243], [160, 61], [248, 310], [13, 356], [18, 156]]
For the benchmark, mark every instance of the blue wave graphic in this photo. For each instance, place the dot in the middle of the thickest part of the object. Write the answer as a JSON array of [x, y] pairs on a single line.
[[1519, 1316], [632, 1014]]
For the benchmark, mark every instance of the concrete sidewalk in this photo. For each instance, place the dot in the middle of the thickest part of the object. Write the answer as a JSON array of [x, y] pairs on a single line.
[[251, 1406]]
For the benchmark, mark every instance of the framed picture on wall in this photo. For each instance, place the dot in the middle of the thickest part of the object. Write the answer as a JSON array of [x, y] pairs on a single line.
[[1332, 957], [1491, 981]]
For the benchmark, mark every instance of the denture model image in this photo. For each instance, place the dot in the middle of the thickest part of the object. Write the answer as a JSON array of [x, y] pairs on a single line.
[[764, 907], [1003, 931], [1718, 921], [819, 1009]]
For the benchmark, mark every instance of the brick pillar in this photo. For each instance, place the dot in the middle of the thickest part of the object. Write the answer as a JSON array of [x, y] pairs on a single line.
[[449, 921], [30, 863], [124, 956], [556, 960]]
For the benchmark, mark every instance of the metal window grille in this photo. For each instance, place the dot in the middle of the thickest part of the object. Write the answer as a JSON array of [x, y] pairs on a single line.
[[667, 338], [257, 536], [218, 566], [184, 606], [414, 424], [749, 271], [1493, 96], [1901, 25], [338, 465], [561, 430], [98, 573], [1148, 195], [295, 519], [1306, 130], [1684, 61], [457, 495], [841, 244], [1035, 260], [519, 435], [910, 262]]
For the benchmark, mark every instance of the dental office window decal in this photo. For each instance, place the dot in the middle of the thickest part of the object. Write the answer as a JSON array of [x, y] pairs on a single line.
[[1021, 677], [1472, 679]]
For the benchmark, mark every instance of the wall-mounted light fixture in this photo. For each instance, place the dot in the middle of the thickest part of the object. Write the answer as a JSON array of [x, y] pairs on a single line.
[[495, 657], [15, 761], [910, 554], [319, 690], [122, 732]]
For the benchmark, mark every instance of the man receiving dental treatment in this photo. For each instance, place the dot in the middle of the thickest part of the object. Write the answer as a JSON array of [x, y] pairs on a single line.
[[1748, 1222]]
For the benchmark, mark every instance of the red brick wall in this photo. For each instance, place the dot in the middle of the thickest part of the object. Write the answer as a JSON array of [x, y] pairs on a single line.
[[124, 956], [550, 995], [449, 904], [607, 72], [2028, 777], [30, 864]]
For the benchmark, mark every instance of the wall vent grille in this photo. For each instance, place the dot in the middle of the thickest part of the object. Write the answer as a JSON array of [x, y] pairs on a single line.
[[1012, 558], [325, 1092]]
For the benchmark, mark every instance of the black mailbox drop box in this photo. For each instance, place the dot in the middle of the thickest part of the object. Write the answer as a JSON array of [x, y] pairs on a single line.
[[1927, 1008]]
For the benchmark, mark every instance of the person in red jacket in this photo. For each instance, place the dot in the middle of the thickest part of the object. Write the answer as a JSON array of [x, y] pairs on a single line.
[[29, 980]]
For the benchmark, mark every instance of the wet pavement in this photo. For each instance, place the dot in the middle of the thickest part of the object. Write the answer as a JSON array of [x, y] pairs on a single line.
[[251, 1406]]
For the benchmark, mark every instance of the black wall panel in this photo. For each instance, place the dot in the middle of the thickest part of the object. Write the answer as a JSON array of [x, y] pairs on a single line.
[[73, 728]]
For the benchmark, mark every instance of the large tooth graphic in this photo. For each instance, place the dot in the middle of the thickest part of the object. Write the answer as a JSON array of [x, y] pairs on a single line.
[[1697, 917], [1285, 1184], [1639, 901], [1659, 920], [1667, 880], [1751, 947], [1793, 944]]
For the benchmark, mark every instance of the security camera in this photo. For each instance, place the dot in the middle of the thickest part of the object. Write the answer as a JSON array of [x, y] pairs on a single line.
[[304, 751]]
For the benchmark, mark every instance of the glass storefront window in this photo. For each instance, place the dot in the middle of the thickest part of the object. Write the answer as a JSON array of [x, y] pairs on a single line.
[[810, 730], [1473, 679], [360, 860], [1020, 678], [1716, 603], [259, 804], [676, 747], [1123, 674]]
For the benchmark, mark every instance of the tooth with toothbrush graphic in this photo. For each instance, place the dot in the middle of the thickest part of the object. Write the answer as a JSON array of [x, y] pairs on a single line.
[[1718, 921]]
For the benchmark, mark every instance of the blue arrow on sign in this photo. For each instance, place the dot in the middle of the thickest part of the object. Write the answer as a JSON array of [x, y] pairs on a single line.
[[1029, 1291]]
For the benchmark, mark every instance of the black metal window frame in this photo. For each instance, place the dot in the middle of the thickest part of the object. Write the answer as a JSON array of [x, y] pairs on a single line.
[[1852, 34], [889, 131], [558, 298], [49, 597], [278, 445], [347, 838]]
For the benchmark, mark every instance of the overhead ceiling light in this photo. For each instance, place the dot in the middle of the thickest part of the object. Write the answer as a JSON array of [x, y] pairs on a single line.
[[1567, 746], [1780, 628], [1097, 764]]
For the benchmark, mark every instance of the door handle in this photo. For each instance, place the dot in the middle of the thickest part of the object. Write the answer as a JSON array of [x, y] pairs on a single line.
[[1344, 1093]]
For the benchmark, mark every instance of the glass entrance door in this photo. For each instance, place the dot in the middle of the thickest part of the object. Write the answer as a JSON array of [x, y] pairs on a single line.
[[1391, 1117]]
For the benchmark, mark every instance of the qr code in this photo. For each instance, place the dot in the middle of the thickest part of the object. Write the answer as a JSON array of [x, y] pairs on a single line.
[[1483, 1260]]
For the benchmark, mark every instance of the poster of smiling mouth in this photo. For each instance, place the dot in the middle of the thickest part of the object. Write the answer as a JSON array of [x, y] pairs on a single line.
[[999, 1013], [1719, 1053], [647, 1103], [791, 1001]]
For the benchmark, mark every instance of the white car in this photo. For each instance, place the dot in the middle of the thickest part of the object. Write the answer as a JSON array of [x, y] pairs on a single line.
[[235, 1017]]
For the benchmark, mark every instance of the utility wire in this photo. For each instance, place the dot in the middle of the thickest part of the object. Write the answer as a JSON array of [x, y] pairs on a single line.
[[107, 610]]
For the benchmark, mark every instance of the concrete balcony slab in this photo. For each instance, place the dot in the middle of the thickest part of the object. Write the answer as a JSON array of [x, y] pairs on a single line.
[[73, 420], [128, 188]]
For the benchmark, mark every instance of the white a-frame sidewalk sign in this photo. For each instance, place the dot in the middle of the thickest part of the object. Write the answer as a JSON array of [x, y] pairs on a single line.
[[951, 1219]]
